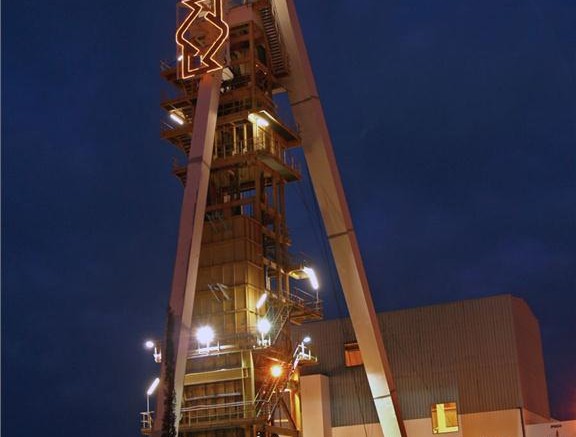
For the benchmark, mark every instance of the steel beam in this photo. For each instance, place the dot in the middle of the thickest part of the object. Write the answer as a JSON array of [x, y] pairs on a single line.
[[321, 162], [190, 238]]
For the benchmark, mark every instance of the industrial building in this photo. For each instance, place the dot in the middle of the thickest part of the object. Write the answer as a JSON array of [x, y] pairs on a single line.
[[472, 368]]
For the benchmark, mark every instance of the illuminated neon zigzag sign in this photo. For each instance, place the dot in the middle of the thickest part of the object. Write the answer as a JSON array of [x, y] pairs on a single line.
[[189, 51]]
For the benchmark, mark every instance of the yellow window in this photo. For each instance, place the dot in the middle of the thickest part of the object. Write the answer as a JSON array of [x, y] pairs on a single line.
[[444, 418], [352, 355]]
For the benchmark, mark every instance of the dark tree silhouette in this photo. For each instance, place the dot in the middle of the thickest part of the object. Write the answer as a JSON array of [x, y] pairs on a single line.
[[169, 420]]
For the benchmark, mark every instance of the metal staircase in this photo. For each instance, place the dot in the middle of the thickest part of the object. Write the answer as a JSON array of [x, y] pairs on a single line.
[[278, 59], [278, 321], [271, 392]]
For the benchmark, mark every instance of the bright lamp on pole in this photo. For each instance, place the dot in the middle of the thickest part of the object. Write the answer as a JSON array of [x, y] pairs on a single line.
[[303, 350], [150, 392], [177, 118], [261, 301], [153, 387], [264, 326], [205, 336], [276, 371], [149, 344], [312, 277]]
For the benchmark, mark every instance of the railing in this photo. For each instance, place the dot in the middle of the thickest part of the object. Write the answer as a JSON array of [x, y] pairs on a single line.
[[306, 299], [235, 341], [191, 416], [262, 407], [271, 392], [146, 420], [269, 144], [278, 314]]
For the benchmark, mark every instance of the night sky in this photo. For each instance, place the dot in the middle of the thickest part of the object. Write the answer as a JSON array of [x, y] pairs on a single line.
[[454, 125]]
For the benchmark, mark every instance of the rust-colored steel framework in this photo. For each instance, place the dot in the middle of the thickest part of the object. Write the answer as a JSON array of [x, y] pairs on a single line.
[[233, 271]]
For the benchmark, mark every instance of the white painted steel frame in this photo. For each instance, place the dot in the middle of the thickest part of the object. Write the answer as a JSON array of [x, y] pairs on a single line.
[[318, 151], [190, 237]]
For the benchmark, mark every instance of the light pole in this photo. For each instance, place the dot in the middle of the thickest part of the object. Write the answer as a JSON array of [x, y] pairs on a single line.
[[302, 345], [276, 370], [149, 344], [312, 277], [264, 326], [149, 393], [205, 335]]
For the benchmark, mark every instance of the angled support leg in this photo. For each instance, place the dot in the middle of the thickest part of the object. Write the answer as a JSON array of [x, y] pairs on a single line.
[[190, 238], [321, 162]]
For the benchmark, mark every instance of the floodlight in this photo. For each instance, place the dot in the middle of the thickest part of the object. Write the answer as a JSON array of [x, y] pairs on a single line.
[[276, 370], [261, 301], [264, 326], [312, 277], [149, 344], [176, 118], [258, 120], [306, 340], [205, 335], [153, 387]]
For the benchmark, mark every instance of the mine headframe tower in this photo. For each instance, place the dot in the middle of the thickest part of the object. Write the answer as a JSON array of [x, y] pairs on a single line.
[[229, 366]]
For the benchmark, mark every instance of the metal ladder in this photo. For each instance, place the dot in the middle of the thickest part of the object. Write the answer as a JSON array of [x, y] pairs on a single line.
[[278, 59]]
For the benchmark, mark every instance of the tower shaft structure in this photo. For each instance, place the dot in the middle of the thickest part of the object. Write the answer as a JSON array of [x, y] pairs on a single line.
[[234, 275], [234, 278]]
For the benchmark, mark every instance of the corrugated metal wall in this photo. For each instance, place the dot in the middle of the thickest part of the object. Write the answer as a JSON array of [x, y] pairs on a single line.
[[530, 359], [462, 352], [351, 402]]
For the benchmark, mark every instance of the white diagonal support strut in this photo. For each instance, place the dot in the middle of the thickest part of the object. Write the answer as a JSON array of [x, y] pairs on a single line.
[[190, 238], [321, 162]]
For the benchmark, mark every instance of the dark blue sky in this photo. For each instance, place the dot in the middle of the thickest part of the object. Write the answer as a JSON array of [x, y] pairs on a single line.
[[454, 127]]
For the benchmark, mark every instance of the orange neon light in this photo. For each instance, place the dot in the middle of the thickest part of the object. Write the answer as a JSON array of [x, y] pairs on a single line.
[[189, 50]]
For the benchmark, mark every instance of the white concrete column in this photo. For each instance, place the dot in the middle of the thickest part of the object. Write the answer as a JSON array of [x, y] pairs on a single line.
[[316, 415]]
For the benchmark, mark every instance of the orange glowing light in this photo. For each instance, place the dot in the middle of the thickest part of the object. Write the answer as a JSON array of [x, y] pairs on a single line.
[[276, 370], [188, 50]]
